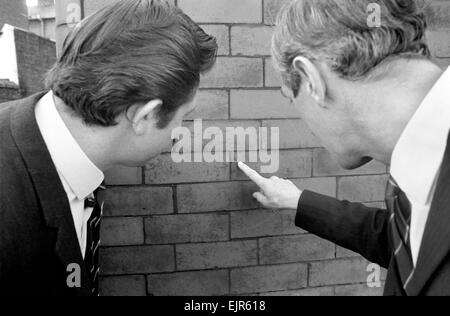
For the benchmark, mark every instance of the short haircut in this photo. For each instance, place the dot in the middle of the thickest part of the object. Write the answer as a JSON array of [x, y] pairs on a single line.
[[338, 32], [128, 53]]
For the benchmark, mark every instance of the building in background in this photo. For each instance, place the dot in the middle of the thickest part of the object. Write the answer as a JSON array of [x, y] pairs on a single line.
[[25, 57], [41, 18], [13, 12]]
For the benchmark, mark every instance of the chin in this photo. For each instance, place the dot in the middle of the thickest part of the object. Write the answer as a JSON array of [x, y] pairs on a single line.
[[352, 162], [130, 164], [138, 163], [143, 159]]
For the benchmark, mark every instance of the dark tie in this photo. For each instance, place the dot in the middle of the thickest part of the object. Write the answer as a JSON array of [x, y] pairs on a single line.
[[400, 221], [93, 237]]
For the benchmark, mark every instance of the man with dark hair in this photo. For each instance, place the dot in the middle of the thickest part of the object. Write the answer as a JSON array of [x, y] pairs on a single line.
[[126, 77], [371, 92]]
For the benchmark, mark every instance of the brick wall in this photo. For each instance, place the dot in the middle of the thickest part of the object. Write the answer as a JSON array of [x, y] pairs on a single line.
[[41, 19], [193, 228], [13, 12], [35, 56], [25, 59]]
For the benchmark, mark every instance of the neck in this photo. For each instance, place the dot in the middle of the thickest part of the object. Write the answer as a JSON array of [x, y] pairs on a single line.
[[394, 101], [96, 142]]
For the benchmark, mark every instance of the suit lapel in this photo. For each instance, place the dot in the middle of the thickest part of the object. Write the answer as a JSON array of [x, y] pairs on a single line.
[[49, 189], [436, 240]]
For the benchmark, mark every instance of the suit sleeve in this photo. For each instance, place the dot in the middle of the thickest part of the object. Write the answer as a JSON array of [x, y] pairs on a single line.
[[353, 226]]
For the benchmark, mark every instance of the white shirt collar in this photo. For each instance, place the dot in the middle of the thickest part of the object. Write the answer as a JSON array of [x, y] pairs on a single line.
[[418, 155], [79, 172]]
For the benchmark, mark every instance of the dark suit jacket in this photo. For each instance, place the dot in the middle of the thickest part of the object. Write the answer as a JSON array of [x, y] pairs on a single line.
[[37, 234], [366, 231]]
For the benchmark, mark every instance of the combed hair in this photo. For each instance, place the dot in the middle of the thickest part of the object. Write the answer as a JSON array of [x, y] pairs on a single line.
[[338, 33], [128, 53]]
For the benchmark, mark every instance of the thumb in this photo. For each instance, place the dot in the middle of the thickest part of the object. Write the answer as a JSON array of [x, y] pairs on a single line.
[[261, 198]]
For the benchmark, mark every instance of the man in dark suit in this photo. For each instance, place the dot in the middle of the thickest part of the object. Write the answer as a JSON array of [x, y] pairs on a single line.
[[125, 79], [371, 92]]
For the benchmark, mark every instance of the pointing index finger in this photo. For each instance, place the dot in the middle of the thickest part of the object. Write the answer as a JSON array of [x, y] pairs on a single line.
[[252, 174]]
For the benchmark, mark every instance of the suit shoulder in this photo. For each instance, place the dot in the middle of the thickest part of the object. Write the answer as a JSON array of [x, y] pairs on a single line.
[[12, 168], [6, 140], [5, 113]]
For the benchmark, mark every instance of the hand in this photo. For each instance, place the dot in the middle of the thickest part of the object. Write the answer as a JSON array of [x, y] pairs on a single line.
[[275, 193]]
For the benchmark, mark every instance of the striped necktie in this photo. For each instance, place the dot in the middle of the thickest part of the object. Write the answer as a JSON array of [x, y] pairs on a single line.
[[400, 221], [93, 237]]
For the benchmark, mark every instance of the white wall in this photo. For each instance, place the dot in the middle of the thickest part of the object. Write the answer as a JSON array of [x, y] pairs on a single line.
[[8, 57]]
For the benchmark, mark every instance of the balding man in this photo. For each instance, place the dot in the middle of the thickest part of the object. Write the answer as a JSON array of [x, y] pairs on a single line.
[[371, 93]]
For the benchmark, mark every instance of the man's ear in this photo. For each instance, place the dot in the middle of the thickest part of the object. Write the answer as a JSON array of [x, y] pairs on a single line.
[[142, 115], [312, 78]]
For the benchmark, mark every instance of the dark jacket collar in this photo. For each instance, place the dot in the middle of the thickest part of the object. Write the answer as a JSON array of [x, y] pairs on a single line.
[[48, 186]]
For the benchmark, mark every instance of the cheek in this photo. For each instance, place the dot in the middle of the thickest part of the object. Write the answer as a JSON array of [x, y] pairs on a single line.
[[165, 141], [316, 125], [323, 131], [319, 123]]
